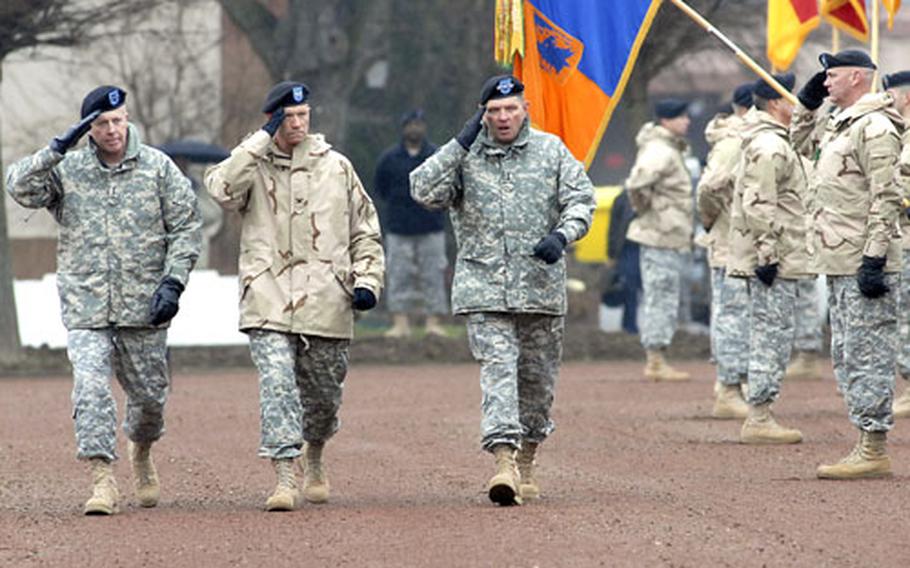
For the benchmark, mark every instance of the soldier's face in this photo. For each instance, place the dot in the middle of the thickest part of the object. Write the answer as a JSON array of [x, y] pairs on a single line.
[[678, 126], [504, 118], [295, 127], [109, 131], [901, 100], [782, 110], [841, 82]]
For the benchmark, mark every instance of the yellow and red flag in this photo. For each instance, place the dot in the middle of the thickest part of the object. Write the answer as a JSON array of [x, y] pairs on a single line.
[[847, 15], [789, 23], [509, 31], [891, 6], [578, 58]]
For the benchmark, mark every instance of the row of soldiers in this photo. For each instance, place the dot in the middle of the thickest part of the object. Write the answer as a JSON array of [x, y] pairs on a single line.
[[790, 192]]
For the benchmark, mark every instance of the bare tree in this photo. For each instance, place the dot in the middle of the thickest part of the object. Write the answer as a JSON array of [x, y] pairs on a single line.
[[28, 24]]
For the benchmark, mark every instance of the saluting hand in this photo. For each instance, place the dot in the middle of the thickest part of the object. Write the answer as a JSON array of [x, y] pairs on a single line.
[[68, 139]]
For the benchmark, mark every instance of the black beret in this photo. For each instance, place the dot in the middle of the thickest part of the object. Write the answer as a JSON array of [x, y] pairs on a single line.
[[742, 96], [285, 93], [500, 87], [899, 79], [846, 58], [411, 116], [767, 92], [670, 108], [104, 98], [726, 108]]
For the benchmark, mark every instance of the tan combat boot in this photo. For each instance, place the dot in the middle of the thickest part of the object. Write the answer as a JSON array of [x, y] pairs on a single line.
[[761, 428], [729, 403], [901, 405], [528, 487], [286, 494], [145, 476], [433, 327], [503, 487], [315, 482], [804, 367], [869, 458], [401, 326], [105, 496], [657, 368]]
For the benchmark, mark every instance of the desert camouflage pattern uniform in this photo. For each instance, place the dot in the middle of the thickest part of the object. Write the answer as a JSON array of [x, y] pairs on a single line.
[[121, 231], [729, 308], [310, 235], [660, 190], [768, 226], [502, 200], [854, 204]]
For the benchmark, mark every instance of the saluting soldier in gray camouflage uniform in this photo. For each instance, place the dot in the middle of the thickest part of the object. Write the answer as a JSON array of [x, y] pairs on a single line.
[[855, 200], [310, 254], [516, 198], [660, 190], [729, 297], [768, 248], [898, 85], [129, 234]]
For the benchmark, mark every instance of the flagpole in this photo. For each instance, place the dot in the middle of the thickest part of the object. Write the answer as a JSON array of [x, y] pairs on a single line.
[[835, 40], [746, 60], [874, 46]]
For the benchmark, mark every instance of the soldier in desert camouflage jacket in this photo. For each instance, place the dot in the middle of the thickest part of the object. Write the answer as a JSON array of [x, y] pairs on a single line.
[[898, 85], [729, 299], [516, 198], [660, 189], [129, 234], [310, 254], [768, 248], [854, 239]]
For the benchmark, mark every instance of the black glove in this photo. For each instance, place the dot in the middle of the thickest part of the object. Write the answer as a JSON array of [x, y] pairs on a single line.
[[274, 121], [164, 301], [814, 91], [68, 139], [766, 273], [363, 299], [471, 129], [550, 248], [871, 277]]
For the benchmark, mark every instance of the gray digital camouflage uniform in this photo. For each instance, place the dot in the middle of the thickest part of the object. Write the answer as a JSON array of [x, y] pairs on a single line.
[[903, 356], [854, 204], [416, 273], [502, 201], [122, 230], [733, 325], [808, 320]]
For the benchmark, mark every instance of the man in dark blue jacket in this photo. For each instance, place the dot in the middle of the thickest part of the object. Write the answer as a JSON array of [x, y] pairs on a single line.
[[414, 236]]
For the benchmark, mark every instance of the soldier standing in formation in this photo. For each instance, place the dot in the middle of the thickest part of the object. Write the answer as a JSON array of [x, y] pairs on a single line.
[[310, 255], [129, 236], [768, 250], [660, 189], [516, 198], [415, 238], [898, 85], [854, 204], [729, 297]]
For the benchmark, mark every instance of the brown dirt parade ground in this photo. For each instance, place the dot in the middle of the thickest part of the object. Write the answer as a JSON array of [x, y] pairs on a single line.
[[636, 475]]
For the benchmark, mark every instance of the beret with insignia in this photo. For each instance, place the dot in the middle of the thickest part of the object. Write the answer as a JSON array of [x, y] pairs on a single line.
[[847, 58], [500, 87], [285, 93], [104, 98]]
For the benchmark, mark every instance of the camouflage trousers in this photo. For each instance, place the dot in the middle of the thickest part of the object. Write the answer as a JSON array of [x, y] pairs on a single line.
[[903, 354], [808, 320], [864, 339], [519, 356], [661, 279], [415, 268], [300, 383], [773, 328], [730, 326], [138, 359]]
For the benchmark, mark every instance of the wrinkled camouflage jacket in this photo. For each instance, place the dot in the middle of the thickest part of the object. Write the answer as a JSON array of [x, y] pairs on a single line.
[[904, 177], [310, 235], [715, 188], [854, 196], [121, 230], [503, 200], [661, 191], [768, 216]]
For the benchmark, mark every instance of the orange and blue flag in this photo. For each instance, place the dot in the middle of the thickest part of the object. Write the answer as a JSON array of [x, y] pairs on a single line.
[[578, 58]]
